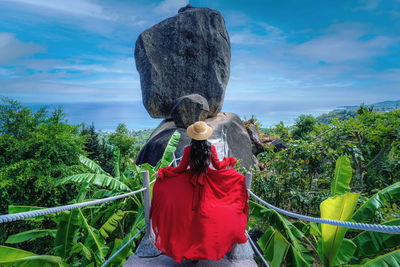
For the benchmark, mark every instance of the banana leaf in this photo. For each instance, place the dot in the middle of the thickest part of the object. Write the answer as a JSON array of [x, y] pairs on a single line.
[[97, 179], [391, 259], [274, 246], [66, 231], [366, 212], [297, 254], [109, 226], [346, 251], [370, 244], [94, 240], [315, 230], [68, 225], [121, 257], [30, 235], [103, 193], [104, 211], [92, 165], [83, 250], [341, 180], [18, 258], [166, 158], [335, 208]]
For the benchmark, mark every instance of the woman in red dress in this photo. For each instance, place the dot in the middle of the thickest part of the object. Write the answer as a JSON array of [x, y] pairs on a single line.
[[198, 212]]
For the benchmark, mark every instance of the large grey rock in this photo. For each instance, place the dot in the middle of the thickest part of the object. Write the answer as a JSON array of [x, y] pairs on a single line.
[[237, 139], [256, 145], [185, 54], [188, 109]]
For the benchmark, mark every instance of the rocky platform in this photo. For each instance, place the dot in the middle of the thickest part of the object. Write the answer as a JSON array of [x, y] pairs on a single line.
[[163, 261]]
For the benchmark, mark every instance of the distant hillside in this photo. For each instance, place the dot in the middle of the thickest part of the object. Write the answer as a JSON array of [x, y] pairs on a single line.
[[141, 135], [380, 106], [346, 112]]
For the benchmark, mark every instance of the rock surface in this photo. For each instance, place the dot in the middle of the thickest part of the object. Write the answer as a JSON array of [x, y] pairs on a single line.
[[188, 109], [237, 139], [241, 252], [146, 247], [162, 261], [182, 55], [256, 146]]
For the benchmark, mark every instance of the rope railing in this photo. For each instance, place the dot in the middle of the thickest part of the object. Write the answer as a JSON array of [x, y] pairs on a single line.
[[34, 213], [29, 214], [360, 226], [146, 187]]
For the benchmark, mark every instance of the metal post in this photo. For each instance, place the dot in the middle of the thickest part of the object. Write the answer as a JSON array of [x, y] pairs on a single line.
[[248, 178], [147, 200], [146, 247], [241, 252], [173, 159]]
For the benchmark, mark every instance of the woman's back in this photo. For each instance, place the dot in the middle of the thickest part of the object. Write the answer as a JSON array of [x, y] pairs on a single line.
[[199, 213]]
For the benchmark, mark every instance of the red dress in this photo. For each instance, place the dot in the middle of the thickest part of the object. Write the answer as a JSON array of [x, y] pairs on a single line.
[[199, 217]]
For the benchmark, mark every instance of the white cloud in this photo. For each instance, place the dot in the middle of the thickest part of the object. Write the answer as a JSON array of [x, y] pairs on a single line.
[[170, 6], [345, 43], [11, 48], [71, 7]]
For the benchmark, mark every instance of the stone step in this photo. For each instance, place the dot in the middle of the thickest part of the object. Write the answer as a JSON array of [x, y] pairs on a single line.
[[163, 260]]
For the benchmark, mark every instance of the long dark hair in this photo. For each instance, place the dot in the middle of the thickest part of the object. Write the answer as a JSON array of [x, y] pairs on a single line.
[[200, 155]]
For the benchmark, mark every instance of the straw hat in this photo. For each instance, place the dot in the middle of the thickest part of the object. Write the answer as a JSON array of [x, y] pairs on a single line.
[[199, 131]]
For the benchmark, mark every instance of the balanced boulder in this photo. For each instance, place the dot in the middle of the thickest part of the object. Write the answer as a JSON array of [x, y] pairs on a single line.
[[183, 55]]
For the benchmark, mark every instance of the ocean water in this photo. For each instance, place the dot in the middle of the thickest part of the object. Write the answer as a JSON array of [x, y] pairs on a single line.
[[107, 115]]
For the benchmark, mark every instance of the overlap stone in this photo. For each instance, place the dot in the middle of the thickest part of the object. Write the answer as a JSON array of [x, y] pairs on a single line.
[[188, 109], [183, 55]]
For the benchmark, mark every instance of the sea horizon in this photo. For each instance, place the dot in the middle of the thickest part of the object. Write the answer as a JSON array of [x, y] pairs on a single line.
[[107, 115]]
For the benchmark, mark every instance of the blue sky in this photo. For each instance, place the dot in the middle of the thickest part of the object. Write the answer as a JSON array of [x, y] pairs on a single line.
[[288, 57]]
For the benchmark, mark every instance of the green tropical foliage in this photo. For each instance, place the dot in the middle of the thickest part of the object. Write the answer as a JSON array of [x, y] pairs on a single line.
[[90, 235], [36, 149], [46, 162], [21, 258], [333, 248]]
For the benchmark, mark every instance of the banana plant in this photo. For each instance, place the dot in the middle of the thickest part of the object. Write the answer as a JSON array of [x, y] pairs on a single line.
[[30, 235], [339, 206], [333, 248], [281, 240], [367, 211], [88, 236], [166, 158], [14, 257]]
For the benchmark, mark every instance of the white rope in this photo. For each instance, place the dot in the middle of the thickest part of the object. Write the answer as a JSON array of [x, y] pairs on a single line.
[[360, 226], [28, 214]]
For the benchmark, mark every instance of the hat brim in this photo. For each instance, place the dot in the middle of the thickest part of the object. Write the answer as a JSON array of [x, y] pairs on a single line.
[[197, 136]]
